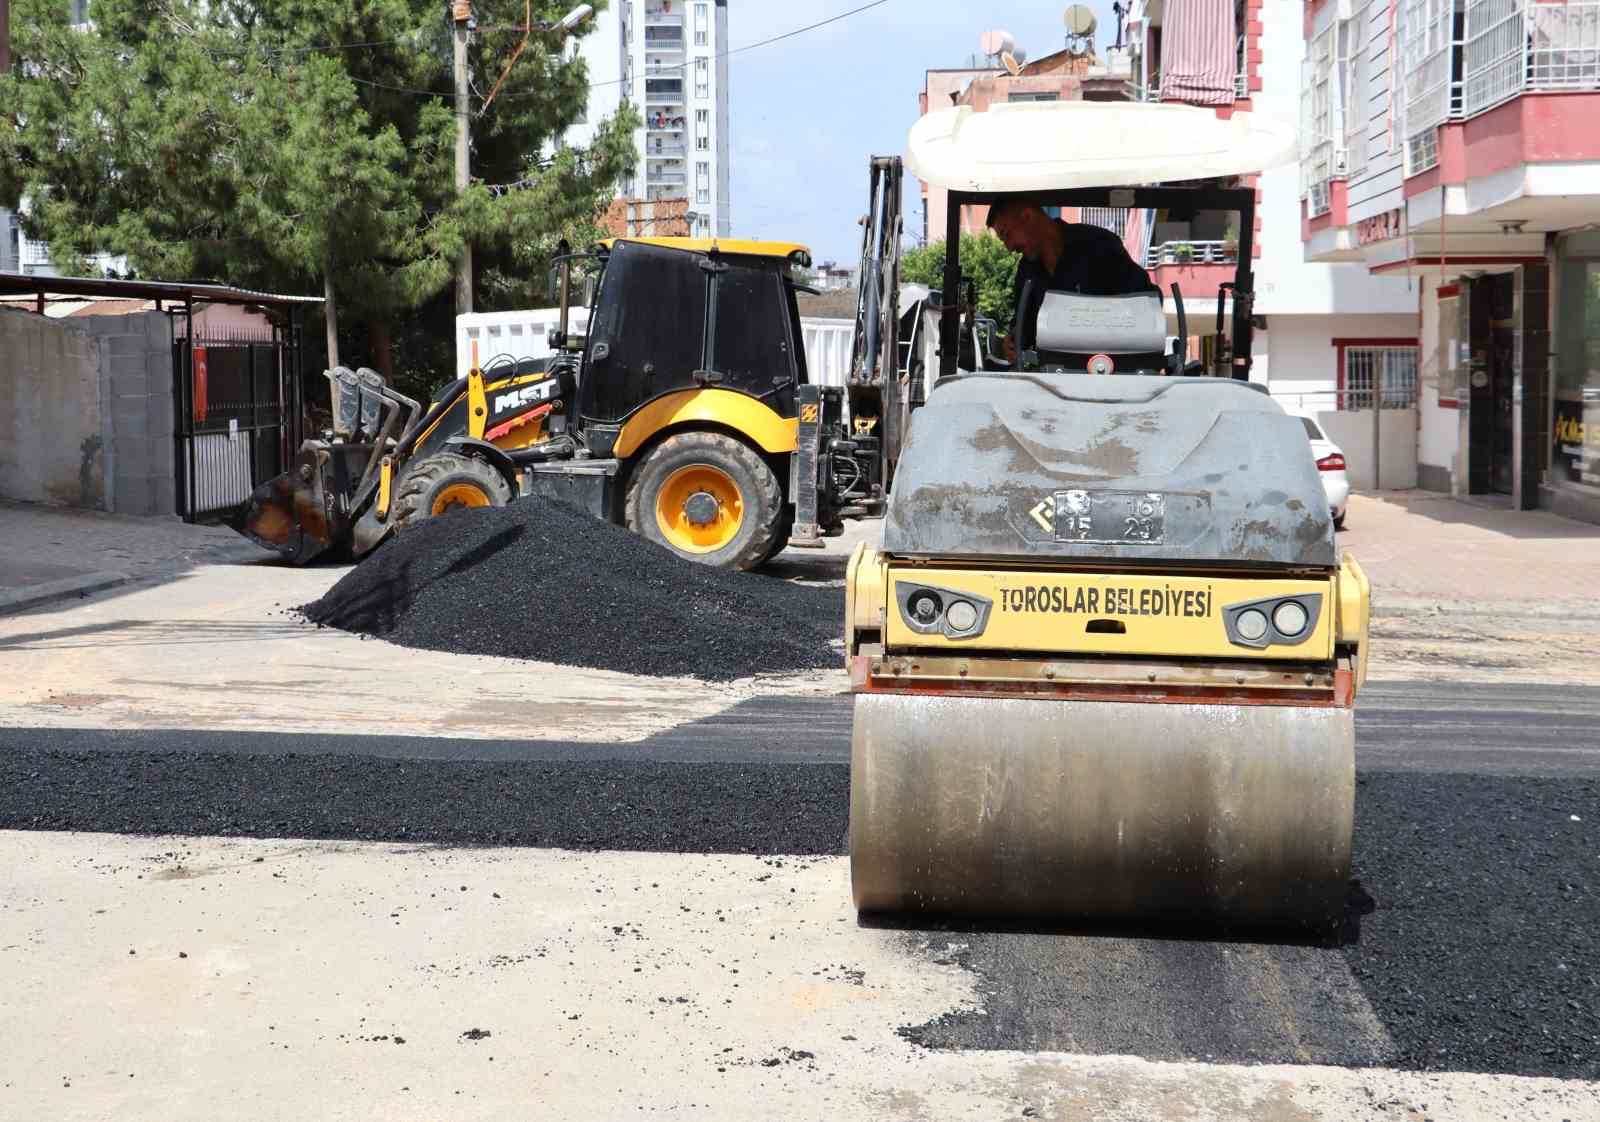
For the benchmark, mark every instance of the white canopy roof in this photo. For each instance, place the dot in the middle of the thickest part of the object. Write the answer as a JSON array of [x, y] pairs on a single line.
[[1039, 146]]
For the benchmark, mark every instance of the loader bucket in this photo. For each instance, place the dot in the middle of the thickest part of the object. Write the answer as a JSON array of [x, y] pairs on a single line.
[[289, 514]]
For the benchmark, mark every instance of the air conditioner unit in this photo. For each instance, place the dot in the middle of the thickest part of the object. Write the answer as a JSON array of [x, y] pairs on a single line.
[[1341, 163]]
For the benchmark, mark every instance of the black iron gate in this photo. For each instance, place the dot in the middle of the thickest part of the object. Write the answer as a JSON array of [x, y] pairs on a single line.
[[237, 398]]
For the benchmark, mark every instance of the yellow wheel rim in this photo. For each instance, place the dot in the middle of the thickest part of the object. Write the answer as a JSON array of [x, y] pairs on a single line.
[[699, 509], [458, 495]]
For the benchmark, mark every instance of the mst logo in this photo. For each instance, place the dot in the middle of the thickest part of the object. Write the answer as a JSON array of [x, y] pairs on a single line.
[[535, 394]]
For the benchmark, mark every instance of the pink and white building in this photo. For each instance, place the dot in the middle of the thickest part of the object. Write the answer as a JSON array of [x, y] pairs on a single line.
[[1454, 144], [1328, 329]]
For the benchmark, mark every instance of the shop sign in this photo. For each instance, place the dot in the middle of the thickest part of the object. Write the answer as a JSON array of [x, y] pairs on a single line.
[[1380, 227], [1575, 455]]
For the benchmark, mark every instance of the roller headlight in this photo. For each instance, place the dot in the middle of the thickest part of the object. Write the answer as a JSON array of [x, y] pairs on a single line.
[[1289, 618], [1252, 624], [962, 616], [1284, 621], [950, 612], [925, 608]]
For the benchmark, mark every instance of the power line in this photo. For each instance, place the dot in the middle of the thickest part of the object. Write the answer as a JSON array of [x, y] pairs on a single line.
[[753, 46]]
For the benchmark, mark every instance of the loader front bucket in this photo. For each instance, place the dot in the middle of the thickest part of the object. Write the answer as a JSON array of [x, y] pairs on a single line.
[[290, 513]]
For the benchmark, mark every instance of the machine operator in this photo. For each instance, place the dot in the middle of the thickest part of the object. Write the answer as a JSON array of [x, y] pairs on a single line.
[[1061, 256]]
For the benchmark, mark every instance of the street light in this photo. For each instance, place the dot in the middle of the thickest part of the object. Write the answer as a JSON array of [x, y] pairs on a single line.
[[575, 17]]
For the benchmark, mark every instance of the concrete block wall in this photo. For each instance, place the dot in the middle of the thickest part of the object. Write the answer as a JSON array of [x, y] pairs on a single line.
[[86, 415], [136, 380], [52, 446]]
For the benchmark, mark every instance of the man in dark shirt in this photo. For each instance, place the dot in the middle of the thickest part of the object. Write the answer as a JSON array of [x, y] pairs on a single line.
[[1063, 256]]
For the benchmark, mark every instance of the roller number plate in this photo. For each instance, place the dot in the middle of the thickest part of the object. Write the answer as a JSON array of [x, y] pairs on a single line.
[[1110, 517]]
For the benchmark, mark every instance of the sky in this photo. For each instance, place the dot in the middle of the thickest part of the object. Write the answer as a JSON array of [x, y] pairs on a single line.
[[808, 113]]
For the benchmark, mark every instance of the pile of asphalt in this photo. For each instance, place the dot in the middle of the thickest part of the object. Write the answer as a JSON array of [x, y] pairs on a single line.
[[544, 581]]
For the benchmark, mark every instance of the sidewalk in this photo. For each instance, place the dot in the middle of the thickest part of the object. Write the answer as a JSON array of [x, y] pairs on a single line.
[[54, 553], [1471, 593], [1420, 547]]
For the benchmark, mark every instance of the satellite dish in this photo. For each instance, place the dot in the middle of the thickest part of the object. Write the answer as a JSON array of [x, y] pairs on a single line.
[[997, 42], [1080, 21], [1011, 62], [1020, 54]]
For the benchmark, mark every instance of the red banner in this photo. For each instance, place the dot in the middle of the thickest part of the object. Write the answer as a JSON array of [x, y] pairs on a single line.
[[200, 402]]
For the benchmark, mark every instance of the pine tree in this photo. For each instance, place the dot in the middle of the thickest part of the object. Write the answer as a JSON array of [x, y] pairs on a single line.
[[276, 143]]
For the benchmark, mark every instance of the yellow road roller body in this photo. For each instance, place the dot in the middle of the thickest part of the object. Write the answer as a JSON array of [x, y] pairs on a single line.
[[1105, 659], [1105, 693]]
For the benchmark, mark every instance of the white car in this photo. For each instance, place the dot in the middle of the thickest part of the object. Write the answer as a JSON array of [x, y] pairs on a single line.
[[1330, 465]]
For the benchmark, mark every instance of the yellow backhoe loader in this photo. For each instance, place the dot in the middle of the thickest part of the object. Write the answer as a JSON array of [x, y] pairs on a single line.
[[685, 412]]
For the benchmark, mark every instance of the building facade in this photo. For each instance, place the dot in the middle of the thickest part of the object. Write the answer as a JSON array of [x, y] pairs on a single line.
[[1453, 142], [672, 64], [1327, 330], [1062, 76]]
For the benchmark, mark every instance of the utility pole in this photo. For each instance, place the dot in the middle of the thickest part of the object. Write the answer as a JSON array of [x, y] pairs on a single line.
[[5, 36], [461, 13]]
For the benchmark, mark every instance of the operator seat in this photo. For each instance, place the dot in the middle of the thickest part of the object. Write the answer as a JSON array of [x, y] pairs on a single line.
[[1130, 331]]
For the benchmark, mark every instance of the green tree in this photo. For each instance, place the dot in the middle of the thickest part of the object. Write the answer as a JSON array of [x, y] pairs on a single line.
[[283, 143], [984, 259]]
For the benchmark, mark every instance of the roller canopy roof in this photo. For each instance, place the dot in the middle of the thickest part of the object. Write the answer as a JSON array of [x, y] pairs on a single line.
[[1042, 146]]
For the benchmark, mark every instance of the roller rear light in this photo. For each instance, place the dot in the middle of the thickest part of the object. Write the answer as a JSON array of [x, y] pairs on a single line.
[[1333, 461]]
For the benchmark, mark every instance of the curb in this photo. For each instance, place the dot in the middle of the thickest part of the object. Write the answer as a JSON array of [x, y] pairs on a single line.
[[17, 599]]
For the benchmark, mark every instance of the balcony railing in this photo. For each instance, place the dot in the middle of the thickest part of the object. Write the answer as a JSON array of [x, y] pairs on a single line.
[[666, 151], [1110, 218], [1191, 253]]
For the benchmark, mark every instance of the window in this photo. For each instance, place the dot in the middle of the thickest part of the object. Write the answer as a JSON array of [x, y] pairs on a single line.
[[702, 77], [653, 326], [1364, 366], [1034, 95], [701, 25], [747, 348], [702, 130], [1575, 435], [702, 182]]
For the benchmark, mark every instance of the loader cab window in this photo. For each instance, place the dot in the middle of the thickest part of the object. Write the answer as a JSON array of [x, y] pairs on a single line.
[[647, 331], [751, 345]]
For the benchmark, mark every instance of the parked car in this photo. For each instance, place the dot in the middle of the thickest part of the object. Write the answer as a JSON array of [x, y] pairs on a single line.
[[1330, 465]]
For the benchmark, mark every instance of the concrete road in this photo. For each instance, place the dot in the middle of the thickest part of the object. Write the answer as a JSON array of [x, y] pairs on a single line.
[[159, 979], [1471, 945]]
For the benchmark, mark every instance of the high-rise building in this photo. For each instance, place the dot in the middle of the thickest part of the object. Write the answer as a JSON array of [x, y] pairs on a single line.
[[675, 71]]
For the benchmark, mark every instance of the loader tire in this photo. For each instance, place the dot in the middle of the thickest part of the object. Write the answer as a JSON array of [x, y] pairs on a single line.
[[445, 481], [709, 498]]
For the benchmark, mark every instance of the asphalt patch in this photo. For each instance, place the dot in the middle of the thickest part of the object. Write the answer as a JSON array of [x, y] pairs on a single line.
[[1479, 951], [544, 581], [799, 808]]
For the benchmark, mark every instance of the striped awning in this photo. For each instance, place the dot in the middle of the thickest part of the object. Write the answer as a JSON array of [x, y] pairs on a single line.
[[1199, 52]]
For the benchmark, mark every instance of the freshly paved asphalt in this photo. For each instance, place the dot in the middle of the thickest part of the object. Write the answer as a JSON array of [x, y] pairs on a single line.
[[1474, 934]]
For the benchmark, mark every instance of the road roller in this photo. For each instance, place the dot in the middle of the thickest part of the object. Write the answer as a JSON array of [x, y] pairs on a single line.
[[1105, 659]]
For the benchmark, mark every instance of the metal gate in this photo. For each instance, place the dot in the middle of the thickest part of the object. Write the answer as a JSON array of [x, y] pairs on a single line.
[[237, 397]]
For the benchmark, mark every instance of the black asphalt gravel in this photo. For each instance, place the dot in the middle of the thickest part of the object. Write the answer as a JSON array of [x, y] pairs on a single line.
[[1481, 950], [545, 581]]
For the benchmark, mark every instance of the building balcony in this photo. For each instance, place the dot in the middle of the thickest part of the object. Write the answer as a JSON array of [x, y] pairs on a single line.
[[1191, 253], [666, 151]]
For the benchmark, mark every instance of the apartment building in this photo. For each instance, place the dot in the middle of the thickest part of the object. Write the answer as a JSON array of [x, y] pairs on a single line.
[[673, 67], [1326, 329], [1453, 142], [1061, 76]]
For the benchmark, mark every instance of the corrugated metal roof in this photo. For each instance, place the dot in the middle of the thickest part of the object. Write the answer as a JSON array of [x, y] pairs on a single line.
[[30, 284]]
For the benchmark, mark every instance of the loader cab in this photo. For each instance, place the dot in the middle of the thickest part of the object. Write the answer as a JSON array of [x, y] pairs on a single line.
[[674, 314]]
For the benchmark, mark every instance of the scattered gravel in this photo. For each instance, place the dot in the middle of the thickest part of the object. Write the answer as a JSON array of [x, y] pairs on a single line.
[[544, 581]]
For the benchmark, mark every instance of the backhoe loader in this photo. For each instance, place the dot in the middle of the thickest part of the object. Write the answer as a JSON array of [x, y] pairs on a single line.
[[685, 412]]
